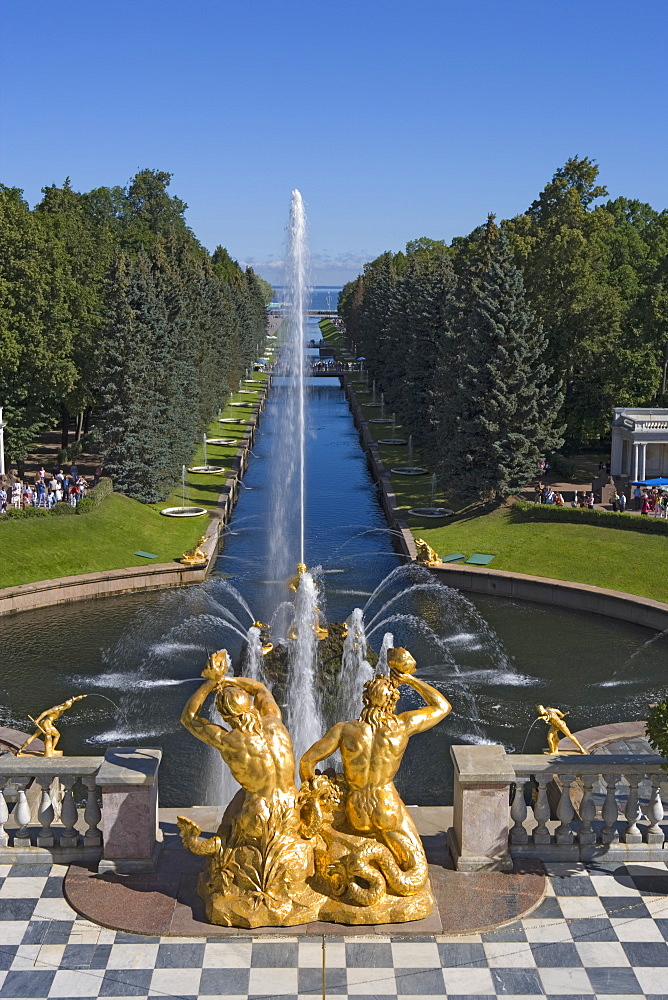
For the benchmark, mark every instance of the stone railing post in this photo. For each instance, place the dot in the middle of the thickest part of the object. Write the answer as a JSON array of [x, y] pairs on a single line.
[[478, 840], [131, 838]]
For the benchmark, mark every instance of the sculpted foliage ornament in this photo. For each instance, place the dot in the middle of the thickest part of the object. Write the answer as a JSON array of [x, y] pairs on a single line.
[[343, 847]]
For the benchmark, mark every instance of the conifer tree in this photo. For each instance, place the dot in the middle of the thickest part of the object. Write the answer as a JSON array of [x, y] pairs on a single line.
[[503, 412]]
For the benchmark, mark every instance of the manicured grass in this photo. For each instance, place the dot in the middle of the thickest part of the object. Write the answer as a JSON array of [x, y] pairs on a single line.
[[48, 547], [619, 560]]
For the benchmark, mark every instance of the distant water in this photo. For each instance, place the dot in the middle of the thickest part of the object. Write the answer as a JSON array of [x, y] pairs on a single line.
[[320, 296]]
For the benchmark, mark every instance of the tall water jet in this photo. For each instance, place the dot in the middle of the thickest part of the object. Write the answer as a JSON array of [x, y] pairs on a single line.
[[355, 669], [304, 716], [289, 474]]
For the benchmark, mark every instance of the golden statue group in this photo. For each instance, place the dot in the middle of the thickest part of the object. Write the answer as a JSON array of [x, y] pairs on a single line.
[[343, 847]]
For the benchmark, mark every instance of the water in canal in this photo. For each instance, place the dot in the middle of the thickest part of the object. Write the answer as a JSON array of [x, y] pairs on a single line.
[[494, 658]]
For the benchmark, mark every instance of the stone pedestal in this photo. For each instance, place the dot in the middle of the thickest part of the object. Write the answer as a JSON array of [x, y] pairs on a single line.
[[131, 837], [478, 839]]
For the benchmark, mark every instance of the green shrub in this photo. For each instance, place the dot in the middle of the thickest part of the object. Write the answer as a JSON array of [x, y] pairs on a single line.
[[657, 729], [20, 512], [103, 489], [63, 509], [563, 467], [581, 515], [85, 505]]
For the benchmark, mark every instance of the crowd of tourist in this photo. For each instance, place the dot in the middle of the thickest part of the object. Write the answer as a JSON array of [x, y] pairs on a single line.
[[46, 489], [645, 500]]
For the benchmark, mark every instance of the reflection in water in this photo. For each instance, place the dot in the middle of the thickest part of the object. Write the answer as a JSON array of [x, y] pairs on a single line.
[[496, 659]]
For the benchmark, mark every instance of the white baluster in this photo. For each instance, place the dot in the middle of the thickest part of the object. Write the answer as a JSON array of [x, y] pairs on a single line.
[[518, 812], [587, 811], [632, 834], [565, 811], [45, 814], [610, 811], [68, 813], [92, 814], [541, 811], [655, 834], [4, 814], [22, 814]]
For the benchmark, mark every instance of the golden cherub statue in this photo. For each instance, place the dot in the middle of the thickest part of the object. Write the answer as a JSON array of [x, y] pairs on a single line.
[[558, 728], [195, 556], [374, 863], [46, 728], [265, 637], [425, 553]]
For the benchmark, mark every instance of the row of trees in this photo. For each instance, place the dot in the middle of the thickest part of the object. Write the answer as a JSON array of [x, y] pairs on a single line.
[[114, 316], [500, 347]]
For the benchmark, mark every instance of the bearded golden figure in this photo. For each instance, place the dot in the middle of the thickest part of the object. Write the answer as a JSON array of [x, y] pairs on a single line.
[[258, 864], [374, 862]]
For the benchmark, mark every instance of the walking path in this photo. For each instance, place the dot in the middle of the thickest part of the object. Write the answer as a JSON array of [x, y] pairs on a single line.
[[598, 933]]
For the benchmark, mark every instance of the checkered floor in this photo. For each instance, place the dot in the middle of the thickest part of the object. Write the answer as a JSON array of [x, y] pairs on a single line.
[[600, 932]]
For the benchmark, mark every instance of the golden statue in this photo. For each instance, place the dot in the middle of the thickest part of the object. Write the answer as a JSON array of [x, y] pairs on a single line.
[[293, 582], [265, 637], [558, 728], [258, 864], [195, 556], [46, 729], [374, 862], [425, 554], [344, 847]]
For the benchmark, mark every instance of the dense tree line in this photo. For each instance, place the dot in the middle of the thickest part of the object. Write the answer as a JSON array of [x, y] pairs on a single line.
[[499, 348], [114, 318]]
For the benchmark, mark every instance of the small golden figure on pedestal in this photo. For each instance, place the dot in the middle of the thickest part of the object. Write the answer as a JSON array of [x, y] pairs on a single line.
[[195, 556], [558, 728], [425, 554], [46, 729]]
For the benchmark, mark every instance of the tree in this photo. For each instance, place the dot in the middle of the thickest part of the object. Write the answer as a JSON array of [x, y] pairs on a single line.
[[503, 411]]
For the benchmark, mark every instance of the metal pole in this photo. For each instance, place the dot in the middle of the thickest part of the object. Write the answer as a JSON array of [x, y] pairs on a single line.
[[2, 445]]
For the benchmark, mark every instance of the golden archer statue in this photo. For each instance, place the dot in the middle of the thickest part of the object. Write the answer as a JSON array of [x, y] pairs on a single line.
[[46, 729], [558, 728]]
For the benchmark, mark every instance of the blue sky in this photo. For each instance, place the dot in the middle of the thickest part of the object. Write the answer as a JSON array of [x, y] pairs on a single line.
[[395, 119]]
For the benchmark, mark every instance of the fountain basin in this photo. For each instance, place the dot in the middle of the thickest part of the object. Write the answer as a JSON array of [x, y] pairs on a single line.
[[379, 420], [430, 511], [409, 470], [392, 441], [249, 403], [222, 440], [183, 511], [206, 470], [231, 420]]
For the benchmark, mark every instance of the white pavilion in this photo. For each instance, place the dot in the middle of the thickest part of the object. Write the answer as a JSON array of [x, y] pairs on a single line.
[[639, 443]]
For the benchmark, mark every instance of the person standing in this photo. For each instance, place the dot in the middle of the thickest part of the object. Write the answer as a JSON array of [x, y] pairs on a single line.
[[622, 502], [637, 496]]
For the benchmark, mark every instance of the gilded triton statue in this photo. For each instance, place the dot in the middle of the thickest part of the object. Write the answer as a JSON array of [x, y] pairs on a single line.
[[344, 848], [558, 728], [258, 865], [389, 861], [46, 728]]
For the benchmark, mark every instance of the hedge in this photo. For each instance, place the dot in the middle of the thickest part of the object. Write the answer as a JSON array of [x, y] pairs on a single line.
[[600, 518], [104, 488]]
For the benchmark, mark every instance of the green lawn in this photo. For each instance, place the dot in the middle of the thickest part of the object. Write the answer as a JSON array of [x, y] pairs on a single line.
[[106, 538], [48, 547]]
